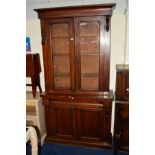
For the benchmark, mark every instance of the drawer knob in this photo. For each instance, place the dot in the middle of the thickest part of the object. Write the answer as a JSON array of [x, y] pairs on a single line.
[[71, 97], [55, 67]]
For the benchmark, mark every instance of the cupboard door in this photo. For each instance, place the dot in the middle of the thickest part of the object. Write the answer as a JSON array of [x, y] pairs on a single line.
[[62, 53], [89, 124], [93, 123], [60, 118], [89, 50]]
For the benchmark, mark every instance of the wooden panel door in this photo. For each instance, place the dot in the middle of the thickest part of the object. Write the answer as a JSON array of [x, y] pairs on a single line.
[[94, 123], [60, 118], [91, 53], [90, 127], [61, 46]]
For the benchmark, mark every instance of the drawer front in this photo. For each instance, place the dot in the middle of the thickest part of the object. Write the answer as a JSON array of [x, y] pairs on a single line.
[[68, 98], [78, 98]]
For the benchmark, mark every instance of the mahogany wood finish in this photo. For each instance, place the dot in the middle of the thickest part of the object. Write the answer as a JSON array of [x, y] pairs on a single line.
[[121, 125], [122, 82], [121, 131], [76, 53], [33, 69]]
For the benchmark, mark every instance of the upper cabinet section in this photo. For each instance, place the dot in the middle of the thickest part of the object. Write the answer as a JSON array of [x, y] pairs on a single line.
[[76, 47]]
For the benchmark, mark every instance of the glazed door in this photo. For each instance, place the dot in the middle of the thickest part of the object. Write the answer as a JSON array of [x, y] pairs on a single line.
[[61, 47], [90, 40]]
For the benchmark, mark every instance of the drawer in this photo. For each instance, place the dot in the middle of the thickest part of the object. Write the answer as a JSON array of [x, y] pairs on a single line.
[[76, 98]]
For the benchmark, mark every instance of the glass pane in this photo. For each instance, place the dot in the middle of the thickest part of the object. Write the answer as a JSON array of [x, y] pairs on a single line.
[[61, 72], [60, 46], [61, 57], [90, 64], [89, 28], [60, 30], [62, 82], [61, 64], [89, 44], [89, 51], [90, 83]]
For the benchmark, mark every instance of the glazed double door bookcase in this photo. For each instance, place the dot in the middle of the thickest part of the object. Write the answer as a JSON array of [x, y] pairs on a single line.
[[76, 53]]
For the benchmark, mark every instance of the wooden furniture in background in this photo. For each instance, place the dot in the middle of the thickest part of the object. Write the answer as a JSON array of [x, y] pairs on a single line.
[[33, 69], [35, 114], [121, 125], [122, 82], [76, 53]]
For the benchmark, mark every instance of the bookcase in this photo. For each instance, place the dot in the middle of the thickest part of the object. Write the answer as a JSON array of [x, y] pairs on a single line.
[[76, 54]]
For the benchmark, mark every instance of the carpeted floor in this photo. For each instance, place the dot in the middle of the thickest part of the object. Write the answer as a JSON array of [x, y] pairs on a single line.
[[58, 149]]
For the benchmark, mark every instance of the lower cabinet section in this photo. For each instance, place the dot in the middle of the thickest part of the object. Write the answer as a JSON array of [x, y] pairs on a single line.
[[83, 123]]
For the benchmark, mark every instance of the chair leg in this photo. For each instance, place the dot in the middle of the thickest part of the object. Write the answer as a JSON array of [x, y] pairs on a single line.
[[40, 88], [33, 86], [37, 81], [39, 85]]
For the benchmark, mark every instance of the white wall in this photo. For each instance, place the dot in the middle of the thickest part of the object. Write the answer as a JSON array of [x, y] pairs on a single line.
[[117, 45], [117, 32]]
